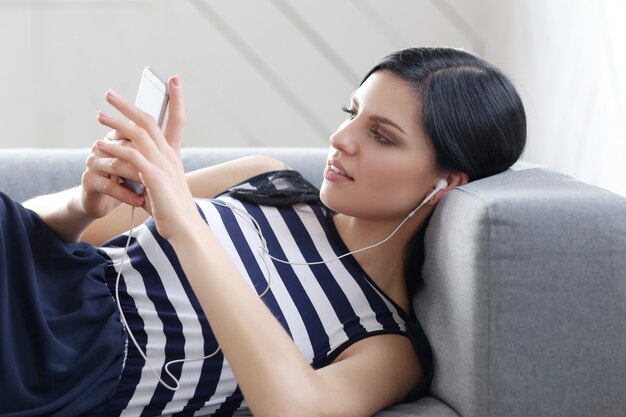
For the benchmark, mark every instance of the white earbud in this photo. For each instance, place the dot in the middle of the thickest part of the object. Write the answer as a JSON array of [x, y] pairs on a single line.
[[440, 186]]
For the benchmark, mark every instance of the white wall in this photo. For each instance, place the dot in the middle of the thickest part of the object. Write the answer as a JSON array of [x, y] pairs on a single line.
[[275, 72], [568, 58], [259, 81]]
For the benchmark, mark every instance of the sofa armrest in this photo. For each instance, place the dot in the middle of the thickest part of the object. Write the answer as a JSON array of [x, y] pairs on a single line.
[[524, 297]]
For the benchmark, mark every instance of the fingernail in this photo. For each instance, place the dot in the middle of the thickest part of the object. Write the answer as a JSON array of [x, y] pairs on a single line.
[[176, 81], [112, 93], [102, 114], [100, 143]]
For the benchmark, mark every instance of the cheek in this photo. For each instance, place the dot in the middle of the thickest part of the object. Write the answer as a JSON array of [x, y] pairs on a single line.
[[390, 183], [371, 200], [398, 186], [385, 189]]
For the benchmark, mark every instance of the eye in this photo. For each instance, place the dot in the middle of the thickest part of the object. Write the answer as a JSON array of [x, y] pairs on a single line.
[[351, 112], [379, 137]]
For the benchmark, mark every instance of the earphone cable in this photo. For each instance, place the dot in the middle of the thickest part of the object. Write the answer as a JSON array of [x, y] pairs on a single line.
[[265, 249], [129, 331], [251, 221]]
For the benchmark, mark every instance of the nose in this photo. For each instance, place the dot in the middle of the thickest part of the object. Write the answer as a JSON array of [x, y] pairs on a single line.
[[343, 139]]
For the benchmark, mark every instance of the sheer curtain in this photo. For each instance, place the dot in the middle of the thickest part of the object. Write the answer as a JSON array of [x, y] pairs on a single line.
[[568, 58]]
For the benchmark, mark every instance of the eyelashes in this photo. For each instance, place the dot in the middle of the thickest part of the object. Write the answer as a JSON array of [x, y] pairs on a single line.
[[349, 111], [379, 137]]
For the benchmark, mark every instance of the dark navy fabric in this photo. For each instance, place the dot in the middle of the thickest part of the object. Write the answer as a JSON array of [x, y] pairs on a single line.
[[63, 348], [324, 308], [62, 342]]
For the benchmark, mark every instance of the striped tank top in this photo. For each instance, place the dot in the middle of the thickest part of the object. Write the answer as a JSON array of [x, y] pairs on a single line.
[[324, 308]]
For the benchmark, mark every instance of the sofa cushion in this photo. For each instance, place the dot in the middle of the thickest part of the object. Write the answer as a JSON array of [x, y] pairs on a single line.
[[425, 407]]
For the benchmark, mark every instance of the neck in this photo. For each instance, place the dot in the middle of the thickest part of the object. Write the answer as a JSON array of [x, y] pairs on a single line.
[[383, 263]]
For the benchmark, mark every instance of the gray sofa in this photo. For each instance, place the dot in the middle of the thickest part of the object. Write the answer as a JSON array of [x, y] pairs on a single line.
[[524, 294]]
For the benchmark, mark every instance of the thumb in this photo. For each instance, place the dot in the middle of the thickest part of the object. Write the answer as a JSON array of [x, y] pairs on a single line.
[[176, 118]]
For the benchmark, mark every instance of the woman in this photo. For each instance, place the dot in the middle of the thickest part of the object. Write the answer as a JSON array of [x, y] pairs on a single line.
[[301, 329]]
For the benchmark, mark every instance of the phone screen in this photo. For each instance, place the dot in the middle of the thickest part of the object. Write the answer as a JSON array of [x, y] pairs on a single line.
[[152, 95]]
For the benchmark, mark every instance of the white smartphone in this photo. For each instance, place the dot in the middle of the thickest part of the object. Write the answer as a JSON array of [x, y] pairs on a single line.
[[152, 97]]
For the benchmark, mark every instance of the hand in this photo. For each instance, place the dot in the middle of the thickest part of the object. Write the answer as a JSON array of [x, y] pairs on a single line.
[[154, 157], [101, 191]]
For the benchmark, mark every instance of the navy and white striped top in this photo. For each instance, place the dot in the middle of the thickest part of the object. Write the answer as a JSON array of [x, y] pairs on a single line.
[[324, 308]]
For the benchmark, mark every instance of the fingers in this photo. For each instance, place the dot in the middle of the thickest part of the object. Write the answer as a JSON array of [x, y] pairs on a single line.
[[113, 135], [172, 136], [101, 177], [176, 119], [153, 154], [144, 133], [140, 138], [104, 185], [107, 166], [125, 155]]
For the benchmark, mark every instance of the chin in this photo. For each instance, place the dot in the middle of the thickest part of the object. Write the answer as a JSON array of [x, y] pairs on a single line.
[[331, 200], [324, 195], [339, 204]]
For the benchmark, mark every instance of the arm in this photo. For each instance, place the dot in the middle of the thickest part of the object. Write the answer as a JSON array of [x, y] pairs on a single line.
[[203, 183], [210, 181], [368, 376], [70, 212], [62, 212]]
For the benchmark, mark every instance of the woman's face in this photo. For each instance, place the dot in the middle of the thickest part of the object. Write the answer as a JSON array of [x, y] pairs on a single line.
[[381, 165]]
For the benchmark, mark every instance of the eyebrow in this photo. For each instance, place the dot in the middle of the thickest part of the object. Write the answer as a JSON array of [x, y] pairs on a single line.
[[381, 119]]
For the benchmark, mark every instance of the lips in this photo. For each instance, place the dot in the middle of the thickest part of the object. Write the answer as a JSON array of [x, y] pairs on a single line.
[[338, 169]]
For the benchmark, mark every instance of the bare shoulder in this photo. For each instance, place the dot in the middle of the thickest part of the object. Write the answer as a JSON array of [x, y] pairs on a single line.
[[386, 348], [372, 374], [210, 181]]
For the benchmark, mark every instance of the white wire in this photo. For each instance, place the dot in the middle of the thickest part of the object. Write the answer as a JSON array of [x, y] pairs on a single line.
[[251, 221], [130, 333]]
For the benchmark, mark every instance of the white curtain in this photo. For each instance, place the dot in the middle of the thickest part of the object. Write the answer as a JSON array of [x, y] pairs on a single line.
[[568, 58]]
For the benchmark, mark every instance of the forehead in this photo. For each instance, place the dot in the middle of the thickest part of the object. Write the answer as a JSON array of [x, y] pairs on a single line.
[[385, 94], [388, 88]]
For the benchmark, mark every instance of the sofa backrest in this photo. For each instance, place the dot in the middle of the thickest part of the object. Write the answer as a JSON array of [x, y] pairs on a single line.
[[25, 173]]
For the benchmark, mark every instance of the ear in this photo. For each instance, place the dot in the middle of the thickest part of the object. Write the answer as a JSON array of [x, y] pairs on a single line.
[[454, 179]]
